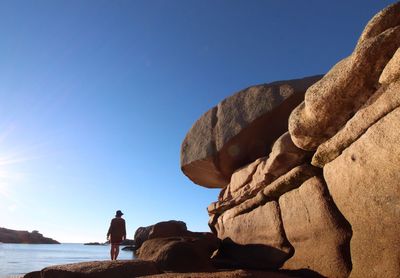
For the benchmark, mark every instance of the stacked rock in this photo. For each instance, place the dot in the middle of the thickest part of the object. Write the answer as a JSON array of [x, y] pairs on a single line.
[[325, 195]]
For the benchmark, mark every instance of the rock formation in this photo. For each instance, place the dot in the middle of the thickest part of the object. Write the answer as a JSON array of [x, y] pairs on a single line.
[[173, 248], [332, 101], [13, 236], [313, 194], [98, 269], [326, 196], [161, 229]]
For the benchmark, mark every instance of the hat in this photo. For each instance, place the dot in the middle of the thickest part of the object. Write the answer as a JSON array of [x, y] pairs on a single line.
[[118, 213]]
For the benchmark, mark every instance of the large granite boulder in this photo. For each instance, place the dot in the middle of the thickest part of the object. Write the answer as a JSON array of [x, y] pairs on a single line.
[[99, 269], [181, 254], [364, 183], [239, 130], [161, 229], [333, 100], [316, 229]]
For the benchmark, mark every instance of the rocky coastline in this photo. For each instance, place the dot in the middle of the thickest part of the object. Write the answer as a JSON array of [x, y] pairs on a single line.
[[308, 171], [34, 237]]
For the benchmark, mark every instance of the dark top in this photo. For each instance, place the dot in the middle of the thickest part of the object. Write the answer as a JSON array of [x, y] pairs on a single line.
[[117, 228]]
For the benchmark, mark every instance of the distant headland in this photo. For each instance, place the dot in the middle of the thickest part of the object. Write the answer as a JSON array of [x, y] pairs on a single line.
[[14, 236]]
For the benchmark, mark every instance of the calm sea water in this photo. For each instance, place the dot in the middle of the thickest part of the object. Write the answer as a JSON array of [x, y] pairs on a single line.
[[19, 259]]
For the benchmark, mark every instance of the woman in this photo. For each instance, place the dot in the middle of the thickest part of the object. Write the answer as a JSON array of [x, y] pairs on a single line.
[[116, 234]]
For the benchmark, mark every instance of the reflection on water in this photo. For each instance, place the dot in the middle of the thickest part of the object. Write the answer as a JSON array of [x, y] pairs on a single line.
[[17, 259]]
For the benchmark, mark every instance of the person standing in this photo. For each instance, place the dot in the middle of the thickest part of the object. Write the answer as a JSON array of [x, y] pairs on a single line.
[[116, 234]]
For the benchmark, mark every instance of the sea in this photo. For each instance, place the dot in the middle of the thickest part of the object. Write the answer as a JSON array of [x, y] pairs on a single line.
[[19, 259]]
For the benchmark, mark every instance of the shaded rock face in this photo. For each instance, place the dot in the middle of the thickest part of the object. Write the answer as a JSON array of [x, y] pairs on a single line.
[[255, 239], [227, 274], [316, 230], [174, 248], [367, 192], [333, 100], [239, 130], [161, 229], [247, 181], [249, 220], [391, 72], [181, 254]]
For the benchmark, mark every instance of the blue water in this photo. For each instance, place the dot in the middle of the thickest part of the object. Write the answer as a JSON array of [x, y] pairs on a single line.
[[19, 259]]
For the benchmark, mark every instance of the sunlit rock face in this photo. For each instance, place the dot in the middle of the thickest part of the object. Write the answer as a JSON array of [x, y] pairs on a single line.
[[332, 101], [325, 198], [239, 130], [364, 181]]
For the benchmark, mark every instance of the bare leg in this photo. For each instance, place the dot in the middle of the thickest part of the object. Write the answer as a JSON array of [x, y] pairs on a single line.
[[116, 252], [112, 252]]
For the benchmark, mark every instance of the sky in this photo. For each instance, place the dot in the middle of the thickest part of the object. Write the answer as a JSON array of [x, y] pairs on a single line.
[[96, 98]]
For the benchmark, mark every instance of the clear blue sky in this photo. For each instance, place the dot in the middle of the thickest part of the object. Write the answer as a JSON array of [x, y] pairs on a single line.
[[97, 96]]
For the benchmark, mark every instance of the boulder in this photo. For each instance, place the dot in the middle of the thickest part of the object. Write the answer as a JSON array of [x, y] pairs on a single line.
[[161, 229], [101, 269], [364, 184], [332, 101], [181, 254], [316, 229], [391, 72], [382, 102], [239, 130]]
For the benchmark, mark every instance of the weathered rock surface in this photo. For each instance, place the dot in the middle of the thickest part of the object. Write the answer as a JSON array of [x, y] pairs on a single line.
[[385, 19], [180, 254], [254, 239], [247, 215], [100, 269], [14, 236], [239, 130], [292, 179], [226, 274], [161, 229], [391, 72], [364, 183], [247, 181], [316, 229], [382, 102], [333, 100]]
